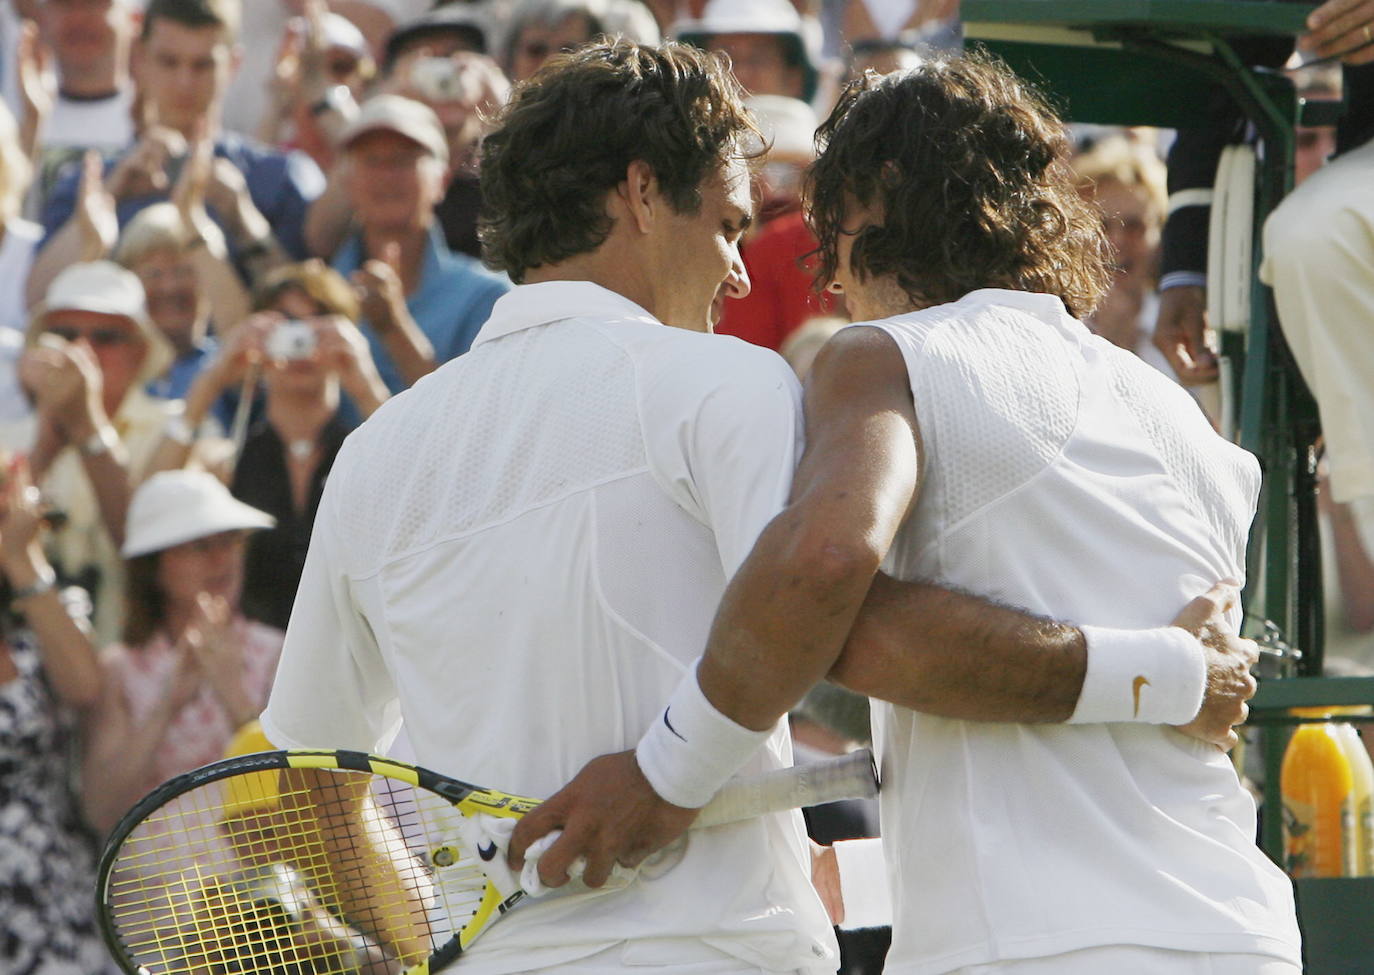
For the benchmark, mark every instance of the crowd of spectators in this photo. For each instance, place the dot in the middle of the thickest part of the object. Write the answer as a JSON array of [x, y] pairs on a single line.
[[225, 240]]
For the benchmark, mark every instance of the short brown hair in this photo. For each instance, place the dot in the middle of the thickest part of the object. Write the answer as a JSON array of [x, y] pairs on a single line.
[[145, 604], [570, 132], [314, 278], [221, 14], [966, 167]]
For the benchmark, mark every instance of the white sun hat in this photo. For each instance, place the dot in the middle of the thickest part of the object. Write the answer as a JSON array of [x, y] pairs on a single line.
[[173, 507]]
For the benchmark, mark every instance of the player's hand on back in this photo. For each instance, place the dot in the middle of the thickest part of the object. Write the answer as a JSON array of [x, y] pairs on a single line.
[[1229, 659], [609, 814]]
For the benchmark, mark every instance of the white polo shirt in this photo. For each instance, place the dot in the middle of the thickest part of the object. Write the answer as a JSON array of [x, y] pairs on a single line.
[[521, 556], [1065, 476]]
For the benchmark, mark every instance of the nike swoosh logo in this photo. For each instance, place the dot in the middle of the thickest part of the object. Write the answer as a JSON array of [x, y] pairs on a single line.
[[670, 724], [487, 852], [1140, 681]]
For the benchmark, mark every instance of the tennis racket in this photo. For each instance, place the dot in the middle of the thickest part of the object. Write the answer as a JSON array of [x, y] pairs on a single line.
[[305, 862]]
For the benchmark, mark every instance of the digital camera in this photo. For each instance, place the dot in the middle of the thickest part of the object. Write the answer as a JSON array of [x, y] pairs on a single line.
[[436, 79], [291, 340]]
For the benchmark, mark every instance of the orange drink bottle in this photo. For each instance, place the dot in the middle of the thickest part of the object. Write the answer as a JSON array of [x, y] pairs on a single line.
[[1362, 777], [1318, 801]]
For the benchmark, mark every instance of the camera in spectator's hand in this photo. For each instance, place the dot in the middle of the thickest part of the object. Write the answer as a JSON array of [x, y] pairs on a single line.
[[436, 79], [291, 340]]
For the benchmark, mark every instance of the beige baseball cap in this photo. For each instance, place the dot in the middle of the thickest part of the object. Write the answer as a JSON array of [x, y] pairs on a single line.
[[404, 116]]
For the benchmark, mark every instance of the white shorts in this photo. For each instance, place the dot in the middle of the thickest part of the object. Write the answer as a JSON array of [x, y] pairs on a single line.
[[1137, 960]]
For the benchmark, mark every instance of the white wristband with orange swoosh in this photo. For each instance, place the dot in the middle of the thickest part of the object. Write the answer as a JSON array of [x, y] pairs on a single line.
[[1149, 676]]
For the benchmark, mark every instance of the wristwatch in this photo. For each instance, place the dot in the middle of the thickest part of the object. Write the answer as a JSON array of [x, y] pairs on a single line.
[[179, 431], [336, 98], [102, 441]]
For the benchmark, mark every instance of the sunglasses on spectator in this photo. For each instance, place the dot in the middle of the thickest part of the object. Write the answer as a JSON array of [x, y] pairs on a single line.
[[341, 67], [98, 337]]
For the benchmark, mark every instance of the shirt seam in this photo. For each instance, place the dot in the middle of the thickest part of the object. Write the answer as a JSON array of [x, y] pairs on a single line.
[[605, 604], [434, 543], [1046, 465]]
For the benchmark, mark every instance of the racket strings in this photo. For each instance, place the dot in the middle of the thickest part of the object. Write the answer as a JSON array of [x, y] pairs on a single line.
[[277, 873]]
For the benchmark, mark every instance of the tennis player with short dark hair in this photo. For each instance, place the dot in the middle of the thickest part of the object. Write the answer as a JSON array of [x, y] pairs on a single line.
[[521, 555], [974, 433]]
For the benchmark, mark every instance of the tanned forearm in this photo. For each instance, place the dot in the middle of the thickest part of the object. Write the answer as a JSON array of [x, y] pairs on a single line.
[[328, 217], [120, 754], [367, 869], [64, 248], [954, 655], [408, 346], [112, 481], [230, 302]]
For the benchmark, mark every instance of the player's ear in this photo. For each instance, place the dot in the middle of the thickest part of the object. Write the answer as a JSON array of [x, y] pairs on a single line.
[[638, 194]]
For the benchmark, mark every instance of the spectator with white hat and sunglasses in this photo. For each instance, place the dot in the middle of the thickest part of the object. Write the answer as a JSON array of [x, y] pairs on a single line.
[[91, 350], [191, 670]]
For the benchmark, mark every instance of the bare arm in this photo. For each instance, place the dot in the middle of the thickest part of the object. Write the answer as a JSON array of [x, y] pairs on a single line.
[[958, 656], [119, 752], [68, 658], [327, 220], [377, 885], [36, 97], [383, 301], [238, 356], [344, 349], [66, 385], [229, 301], [788, 611]]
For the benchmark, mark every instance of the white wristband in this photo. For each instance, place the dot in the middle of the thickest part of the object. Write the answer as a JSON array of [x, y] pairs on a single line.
[[1150, 676], [691, 748]]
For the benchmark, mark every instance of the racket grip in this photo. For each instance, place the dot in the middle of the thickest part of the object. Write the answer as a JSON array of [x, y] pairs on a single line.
[[852, 776]]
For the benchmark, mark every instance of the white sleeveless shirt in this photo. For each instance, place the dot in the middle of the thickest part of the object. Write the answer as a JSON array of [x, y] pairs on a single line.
[[1065, 476]]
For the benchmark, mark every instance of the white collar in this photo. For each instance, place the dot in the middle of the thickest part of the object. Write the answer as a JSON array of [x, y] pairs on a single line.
[[1046, 306], [528, 305]]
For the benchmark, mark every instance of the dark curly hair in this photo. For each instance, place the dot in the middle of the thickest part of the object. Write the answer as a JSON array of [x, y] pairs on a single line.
[[966, 169], [570, 132]]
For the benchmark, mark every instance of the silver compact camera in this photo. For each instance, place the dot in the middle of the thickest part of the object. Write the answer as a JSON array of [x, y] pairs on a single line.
[[436, 79], [291, 340]]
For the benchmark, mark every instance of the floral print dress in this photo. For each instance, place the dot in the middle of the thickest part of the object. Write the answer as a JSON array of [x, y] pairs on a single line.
[[47, 857]]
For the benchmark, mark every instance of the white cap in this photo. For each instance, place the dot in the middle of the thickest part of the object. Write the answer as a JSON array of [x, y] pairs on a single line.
[[744, 17], [404, 116], [758, 17], [339, 32], [98, 286], [105, 288], [788, 124], [173, 507]]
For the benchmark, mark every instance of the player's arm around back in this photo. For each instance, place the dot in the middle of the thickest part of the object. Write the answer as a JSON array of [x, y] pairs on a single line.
[[788, 611]]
